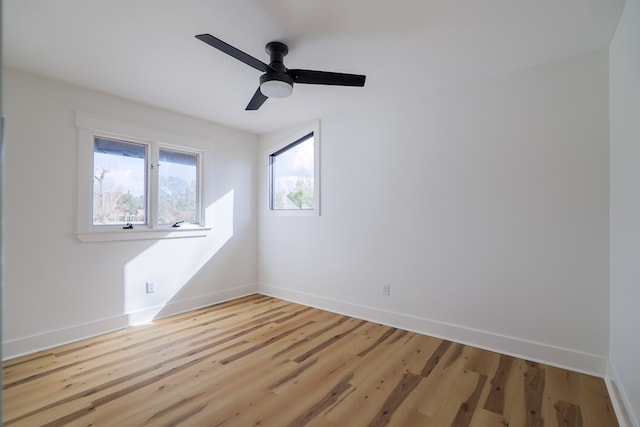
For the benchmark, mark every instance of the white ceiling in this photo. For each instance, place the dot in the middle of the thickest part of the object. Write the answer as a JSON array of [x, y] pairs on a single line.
[[145, 50]]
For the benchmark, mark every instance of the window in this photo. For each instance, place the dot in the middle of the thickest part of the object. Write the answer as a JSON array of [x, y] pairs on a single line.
[[294, 174], [178, 187], [119, 182], [131, 188]]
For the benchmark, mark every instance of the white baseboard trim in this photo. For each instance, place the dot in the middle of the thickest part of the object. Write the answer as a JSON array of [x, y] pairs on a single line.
[[31, 344], [619, 399], [529, 350], [177, 307], [556, 356]]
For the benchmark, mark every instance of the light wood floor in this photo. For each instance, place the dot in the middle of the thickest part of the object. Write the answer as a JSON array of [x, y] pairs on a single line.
[[260, 361]]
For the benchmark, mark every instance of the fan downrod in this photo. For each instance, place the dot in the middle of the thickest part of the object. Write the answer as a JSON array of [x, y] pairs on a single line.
[[277, 51]]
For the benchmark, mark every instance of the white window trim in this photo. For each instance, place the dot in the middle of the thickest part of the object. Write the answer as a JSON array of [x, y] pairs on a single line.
[[90, 125], [312, 128]]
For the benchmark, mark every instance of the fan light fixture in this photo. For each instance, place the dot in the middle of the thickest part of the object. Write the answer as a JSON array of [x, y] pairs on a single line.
[[276, 88]]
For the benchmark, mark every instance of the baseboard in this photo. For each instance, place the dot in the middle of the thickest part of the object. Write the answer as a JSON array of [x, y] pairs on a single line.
[[619, 399], [556, 356], [537, 352], [31, 344], [177, 307]]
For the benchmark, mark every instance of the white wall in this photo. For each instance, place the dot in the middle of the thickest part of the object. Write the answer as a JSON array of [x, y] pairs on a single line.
[[59, 289], [625, 207], [485, 207]]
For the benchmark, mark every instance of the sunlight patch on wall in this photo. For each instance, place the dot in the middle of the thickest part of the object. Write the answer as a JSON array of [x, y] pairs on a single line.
[[171, 264]]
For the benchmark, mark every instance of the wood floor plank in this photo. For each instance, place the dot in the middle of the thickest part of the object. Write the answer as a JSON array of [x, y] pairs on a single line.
[[484, 418], [444, 392], [259, 360], [482, 361], [497, 396], [515, 410], [409, 416], [534, 394], [569, 415], [467, 409]]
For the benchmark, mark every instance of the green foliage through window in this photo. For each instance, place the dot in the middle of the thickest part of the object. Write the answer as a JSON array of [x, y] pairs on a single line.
[[292, 176]]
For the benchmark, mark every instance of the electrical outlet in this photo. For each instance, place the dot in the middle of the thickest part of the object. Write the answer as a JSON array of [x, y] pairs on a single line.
[[150, 287], [386, 289]]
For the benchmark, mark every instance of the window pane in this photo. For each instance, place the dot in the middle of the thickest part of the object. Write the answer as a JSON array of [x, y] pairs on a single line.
[[178, 187], [292, 185], [119, 182]]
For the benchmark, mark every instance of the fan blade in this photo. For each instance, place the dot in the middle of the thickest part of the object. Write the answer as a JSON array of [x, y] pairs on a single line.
[[256, 101], [326, 78], [234, 52]]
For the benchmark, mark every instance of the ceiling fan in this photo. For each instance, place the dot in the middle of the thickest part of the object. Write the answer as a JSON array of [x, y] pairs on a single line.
[[277, 80]]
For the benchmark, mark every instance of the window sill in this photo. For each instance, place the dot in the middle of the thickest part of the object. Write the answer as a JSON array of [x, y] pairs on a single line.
[[293, 212], [116, 235]]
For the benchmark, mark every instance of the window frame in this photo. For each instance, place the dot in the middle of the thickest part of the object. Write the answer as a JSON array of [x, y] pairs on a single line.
[[91, 126], [280, 147]]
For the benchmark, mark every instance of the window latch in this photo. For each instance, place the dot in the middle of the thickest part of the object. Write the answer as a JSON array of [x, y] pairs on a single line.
[[129, 226], [177, 224]]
